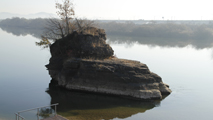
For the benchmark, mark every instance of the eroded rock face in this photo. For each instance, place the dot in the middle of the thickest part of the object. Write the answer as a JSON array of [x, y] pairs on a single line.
[[110, 76]]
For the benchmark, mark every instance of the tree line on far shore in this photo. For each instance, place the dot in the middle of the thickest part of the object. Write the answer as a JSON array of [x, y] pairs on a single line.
[[16, 22], [164, 30]]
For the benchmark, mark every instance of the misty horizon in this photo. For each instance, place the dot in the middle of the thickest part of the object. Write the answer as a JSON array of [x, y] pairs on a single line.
[[119, 10], [5, 15]]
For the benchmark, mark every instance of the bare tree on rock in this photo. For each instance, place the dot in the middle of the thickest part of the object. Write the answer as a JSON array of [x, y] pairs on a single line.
[[58, 28], [67, 24], [66, 13]]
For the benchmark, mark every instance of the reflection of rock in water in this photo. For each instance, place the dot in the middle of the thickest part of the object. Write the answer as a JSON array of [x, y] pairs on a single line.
[[81, 106]]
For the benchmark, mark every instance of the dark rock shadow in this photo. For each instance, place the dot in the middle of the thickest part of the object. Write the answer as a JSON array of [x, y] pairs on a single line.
[[90, 106]]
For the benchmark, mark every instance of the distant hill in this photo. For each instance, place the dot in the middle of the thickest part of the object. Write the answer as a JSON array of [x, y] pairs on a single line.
[[4, 15]]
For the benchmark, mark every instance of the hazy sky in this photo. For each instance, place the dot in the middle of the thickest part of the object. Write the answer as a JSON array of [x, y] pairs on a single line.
[[120, 9]]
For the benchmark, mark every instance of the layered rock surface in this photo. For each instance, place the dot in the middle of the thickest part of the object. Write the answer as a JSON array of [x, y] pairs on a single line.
[[111, 76], [84, 66]]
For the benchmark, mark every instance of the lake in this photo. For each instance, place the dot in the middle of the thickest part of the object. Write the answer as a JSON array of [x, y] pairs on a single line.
[[186, 67]]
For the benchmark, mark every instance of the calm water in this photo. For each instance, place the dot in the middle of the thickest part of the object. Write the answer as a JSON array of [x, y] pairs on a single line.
[[188, 70]]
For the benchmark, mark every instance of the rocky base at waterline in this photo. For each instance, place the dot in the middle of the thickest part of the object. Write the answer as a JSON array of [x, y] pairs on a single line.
[[110, 76]]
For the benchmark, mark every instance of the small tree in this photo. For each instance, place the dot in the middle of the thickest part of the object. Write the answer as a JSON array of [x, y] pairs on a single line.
[[66, 13], [56, 28], [60, 28]]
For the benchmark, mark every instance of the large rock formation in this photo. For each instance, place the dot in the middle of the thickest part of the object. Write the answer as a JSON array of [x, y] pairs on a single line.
[[78, 64]]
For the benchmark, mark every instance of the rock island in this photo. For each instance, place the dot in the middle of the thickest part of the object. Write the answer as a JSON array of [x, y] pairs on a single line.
[[84, 61]]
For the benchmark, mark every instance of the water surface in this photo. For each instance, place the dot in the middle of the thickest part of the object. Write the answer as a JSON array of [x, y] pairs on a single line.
[[187, 68]]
